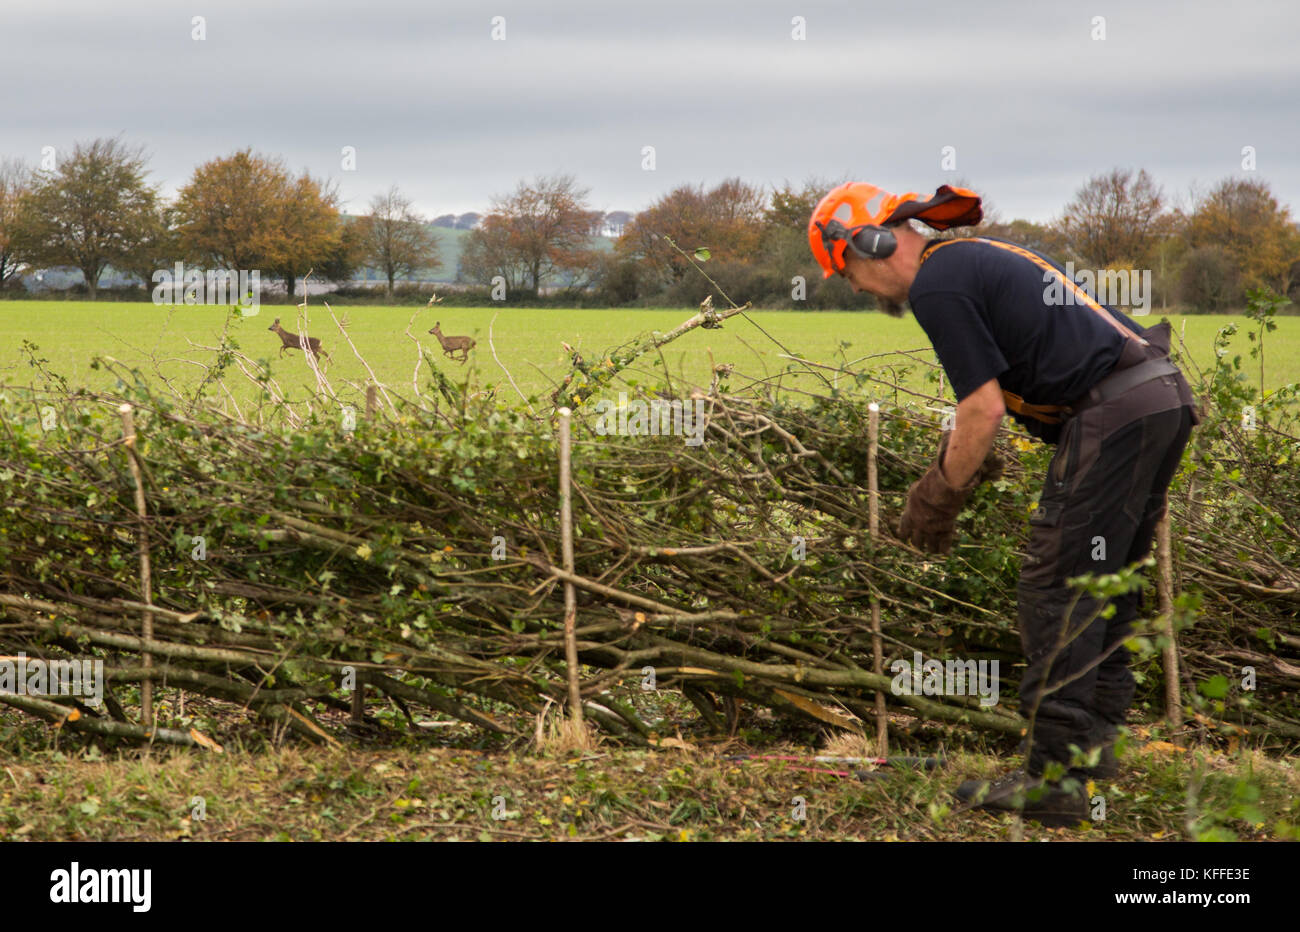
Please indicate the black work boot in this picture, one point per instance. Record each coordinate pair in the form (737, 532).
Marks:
(1054, 806)
(1107, 767)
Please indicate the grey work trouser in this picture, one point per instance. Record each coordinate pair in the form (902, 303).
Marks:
(1103, 496)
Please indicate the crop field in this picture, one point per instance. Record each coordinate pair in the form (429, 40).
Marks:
(166, 342)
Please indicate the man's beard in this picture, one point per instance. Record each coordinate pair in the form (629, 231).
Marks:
(892, 308)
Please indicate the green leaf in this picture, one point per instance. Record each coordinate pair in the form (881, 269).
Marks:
(702, 254)
(1216, 687)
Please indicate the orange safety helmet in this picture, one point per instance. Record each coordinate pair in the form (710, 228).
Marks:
(857, 215)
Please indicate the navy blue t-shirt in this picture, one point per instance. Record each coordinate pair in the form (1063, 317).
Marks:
(987, 312)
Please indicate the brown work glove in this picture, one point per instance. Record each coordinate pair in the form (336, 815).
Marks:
(932, 509)
(990, 470)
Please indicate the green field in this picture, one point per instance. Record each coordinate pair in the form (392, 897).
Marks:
(528, 342)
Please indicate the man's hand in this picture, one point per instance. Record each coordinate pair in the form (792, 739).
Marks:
(931, 512)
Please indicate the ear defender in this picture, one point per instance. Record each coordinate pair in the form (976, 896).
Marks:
(867, 241)
(873, 242)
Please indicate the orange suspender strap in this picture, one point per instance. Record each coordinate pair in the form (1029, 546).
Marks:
(1013, 401)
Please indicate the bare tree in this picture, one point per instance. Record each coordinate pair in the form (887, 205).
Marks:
(543, 228)
(395, 239)
(1114, 218)
(488, 253)
(15, 184)
(728, 219)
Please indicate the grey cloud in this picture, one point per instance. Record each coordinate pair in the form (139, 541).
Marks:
(1031, 103)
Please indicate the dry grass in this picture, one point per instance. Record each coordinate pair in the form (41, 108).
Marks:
(555, 733)
(850, 744)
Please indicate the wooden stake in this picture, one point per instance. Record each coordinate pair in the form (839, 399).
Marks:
(359, 693)
(146, 575)
(359, 700)
(566, 546)
(1165, 564)
(877, 648)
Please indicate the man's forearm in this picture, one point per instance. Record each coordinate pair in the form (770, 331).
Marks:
(971, 439)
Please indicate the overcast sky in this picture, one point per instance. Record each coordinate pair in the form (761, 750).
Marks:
(1031, 103)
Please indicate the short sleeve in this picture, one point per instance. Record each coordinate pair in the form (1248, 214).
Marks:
(961, 337)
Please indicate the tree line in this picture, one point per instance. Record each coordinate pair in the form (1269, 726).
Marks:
(246, 211)
(1204, 255)
(544, 240)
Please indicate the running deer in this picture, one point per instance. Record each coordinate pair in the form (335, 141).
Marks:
(293, 341)
(452, 345)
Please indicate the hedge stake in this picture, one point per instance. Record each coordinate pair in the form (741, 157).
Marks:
(566, 545)
(877, 651)
(146, 580)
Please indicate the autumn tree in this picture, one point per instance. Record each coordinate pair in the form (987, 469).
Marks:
(156, 248)
(341, 263)
(1244, 219)
(488, 253)
(790, 208)
(227, 214)
(395, 239)
(727, 219)
(247, 212)
(1210, 279)
(93, 211)
(15, 183)
(311, 229)
(1115, 218)
(540, 232)
(785, 230)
